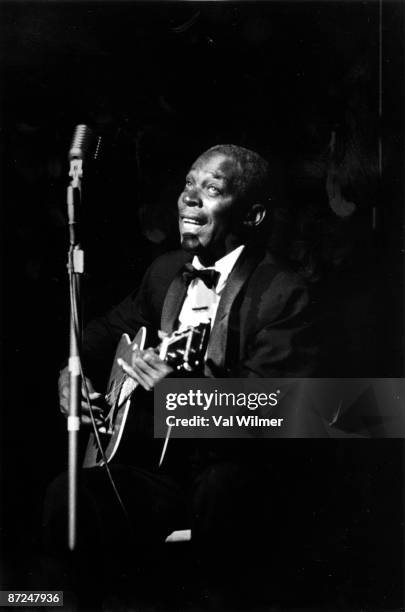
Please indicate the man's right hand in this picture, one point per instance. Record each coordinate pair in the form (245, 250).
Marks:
(97, 399)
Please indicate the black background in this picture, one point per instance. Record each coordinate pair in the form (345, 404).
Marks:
(162, 82)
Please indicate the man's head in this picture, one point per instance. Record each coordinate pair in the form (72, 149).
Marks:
(223, 202)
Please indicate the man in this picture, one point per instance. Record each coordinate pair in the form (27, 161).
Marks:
(222, 209)
(259, 315)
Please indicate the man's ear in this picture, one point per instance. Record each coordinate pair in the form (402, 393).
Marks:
(254, 215)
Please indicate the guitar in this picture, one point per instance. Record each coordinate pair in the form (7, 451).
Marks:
(183, 350)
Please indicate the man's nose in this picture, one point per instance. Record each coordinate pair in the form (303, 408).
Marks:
(192, 198)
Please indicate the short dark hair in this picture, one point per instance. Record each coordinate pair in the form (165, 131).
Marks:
(253, 185)
(253, 181)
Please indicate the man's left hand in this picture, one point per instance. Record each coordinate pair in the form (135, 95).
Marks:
(146, 368)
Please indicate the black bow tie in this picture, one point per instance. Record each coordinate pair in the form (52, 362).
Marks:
(209, 277)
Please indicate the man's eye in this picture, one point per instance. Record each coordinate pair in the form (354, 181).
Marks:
(213, 190)
(188, 183)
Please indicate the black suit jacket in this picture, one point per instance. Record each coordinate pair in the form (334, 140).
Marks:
(262, 329)
(262, 326)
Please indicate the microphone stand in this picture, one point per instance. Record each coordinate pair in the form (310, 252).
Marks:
(75, 270)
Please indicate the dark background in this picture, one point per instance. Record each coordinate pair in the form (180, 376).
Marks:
(302, 83)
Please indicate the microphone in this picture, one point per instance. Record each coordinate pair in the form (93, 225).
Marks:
(82, 142)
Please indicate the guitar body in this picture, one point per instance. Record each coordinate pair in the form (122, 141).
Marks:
(183, 350)
(119, 390)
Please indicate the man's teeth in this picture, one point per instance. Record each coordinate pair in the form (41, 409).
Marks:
(192, 221)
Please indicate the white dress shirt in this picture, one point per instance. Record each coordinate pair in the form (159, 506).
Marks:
(201, 303)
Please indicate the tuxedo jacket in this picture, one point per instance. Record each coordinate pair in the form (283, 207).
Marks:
(262, 327)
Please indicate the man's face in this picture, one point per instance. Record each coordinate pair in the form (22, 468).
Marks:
(207, 207)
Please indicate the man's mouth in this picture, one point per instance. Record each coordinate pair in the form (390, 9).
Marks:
(192, 221)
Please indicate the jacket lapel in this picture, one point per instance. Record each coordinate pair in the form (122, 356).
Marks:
(216, 352)
(173, 302)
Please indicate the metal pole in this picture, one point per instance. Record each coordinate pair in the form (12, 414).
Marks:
(75, 270)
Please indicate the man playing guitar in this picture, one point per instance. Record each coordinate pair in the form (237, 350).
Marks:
(258, 312)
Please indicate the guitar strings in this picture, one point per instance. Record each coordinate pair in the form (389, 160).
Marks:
(117, 384)
(115, 388)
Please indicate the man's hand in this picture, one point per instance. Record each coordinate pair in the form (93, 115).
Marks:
(146, 368)
(94, 396)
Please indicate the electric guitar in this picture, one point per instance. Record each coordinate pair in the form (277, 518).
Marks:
(183, 350)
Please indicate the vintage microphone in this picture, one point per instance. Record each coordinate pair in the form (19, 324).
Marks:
(79, 152)
(82, 146)
(81, 142)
